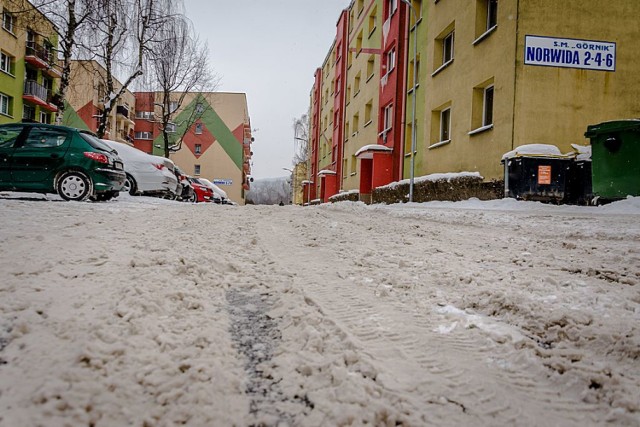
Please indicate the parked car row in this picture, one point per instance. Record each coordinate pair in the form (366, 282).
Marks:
(77, 166)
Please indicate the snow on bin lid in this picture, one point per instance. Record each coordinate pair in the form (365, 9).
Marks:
(583, 152)
(534, 150)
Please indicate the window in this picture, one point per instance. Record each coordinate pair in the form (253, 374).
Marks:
(417, 7)
(487, 113)
(390, 60)
(443, 49)
(447, 48)
(373, 18)
(5, 104)
(359, 43)
(198, 149)
(354, 164)
(9, 134)
(486, 18)
(387, 118)
(46, 138)
(445, 124)
(196, 169)
(198, 129)
(8, 21)
(356, 123)
(6, 63)
(360, 6)
(414, 67)
(199, 108)
(492, 14)
(371, 63)
(148, 115)
(143, 135)
(367, 112)
(356, 85)
(173, 106)
(45, 117)
(482, 107)
(391, 7)
(28, 113)
(170, 127)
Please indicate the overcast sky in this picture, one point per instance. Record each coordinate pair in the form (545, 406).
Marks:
(268, 49)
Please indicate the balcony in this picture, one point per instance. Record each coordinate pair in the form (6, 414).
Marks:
(41, 57)
(37, 94)
(122, 115)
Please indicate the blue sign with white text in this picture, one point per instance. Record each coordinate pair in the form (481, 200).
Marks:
(570, 53)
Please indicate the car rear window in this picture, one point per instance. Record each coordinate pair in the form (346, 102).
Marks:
(96, 143)
(8, 135)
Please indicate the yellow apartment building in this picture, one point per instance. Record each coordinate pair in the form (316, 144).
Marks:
(363, 85)
(507, 73)
(216, 146)
(85, 99)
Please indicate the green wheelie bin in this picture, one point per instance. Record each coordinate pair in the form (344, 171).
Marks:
(615, 155)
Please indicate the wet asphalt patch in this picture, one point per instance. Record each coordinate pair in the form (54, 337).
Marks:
(256, 336)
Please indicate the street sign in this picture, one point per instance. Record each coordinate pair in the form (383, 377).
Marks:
(570, 53)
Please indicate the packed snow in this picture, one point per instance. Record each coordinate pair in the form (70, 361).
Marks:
(149, 312)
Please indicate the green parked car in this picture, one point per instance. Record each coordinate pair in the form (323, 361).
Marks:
(72, 163)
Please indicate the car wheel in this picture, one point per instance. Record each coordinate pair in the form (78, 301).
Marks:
(74, 186)
(130, 185)
(193, 198)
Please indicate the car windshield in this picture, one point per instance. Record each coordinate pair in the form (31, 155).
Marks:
(96, 143)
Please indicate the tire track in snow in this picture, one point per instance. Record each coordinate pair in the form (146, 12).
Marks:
(481, 390)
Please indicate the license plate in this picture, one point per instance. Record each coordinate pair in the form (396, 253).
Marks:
(118, 165)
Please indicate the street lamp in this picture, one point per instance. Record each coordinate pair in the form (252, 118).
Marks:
(306, 141)
(413, 98)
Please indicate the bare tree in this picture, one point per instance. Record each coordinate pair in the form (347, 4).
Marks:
(121, 38)
(69, 17)
(301, 139)
(178, 66)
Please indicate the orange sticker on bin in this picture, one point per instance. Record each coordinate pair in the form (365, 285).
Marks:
(544, 175)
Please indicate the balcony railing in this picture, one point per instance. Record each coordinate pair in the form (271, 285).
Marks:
(32, 88)
(43, 53)
(121, 109)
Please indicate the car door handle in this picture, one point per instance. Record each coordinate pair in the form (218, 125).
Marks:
(55, 156)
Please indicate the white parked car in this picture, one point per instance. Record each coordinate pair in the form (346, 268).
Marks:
(219, 195)
(146, 174)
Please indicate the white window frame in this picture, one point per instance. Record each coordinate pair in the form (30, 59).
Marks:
(487, 90)
(196, 170)
(143, 135)
(197, 149)
(490, 10)
(445, 113)
(387, 118)
(5, 63)
(391, 60)
(147, 115)
(44, 117)
(447, 53)
(8, 21)
(393, 6)
(170, 128)
(198, 129)
(5, 102)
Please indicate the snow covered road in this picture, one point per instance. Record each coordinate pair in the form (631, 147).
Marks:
(145, 312)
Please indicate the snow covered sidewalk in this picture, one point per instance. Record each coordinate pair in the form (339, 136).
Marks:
(154, 313)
